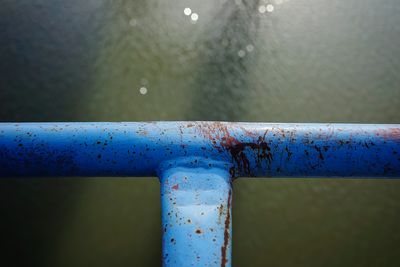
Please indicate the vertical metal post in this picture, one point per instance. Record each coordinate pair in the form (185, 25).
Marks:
(196, 216)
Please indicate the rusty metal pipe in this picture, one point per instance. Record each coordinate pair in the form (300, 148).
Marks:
(247, 149)
(196, 162)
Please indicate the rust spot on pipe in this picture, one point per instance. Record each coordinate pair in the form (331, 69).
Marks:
(224, 260)
(175, 187)
(391, 134)
(143, 132)
(220, 213)
(218, 133)
(320, 155)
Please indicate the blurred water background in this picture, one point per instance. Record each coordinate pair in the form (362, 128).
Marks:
(242, 60)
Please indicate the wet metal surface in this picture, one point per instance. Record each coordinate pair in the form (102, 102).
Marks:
(247, 149)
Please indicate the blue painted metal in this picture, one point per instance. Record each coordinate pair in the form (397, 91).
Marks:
(196, 162)
(248, 149)
(196, 214)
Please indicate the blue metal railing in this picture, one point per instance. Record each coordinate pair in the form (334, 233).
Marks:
(196, 163)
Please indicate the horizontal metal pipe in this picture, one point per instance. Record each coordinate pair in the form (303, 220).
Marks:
(245, 149)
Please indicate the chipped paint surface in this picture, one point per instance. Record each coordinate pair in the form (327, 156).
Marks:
(249, 149)
(196, 215)
(227, 232)
(196, 162)
(317, 150)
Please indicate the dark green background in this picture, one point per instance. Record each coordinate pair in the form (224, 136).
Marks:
(313, 61)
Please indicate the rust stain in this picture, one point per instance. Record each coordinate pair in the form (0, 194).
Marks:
(391, 134)
(289, 154)
(320, 155)
(142, 132)
(247, 132)
(220, 212)
(224, 260)
(175, 187)
(218, 133)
